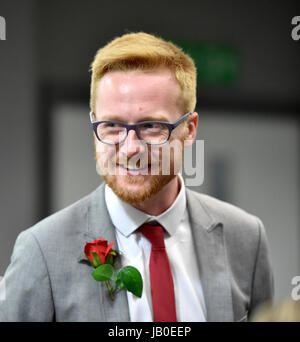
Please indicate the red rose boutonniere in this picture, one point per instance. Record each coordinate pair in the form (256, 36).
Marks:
(103, 258)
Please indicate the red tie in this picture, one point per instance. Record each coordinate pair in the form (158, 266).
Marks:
(162, 288)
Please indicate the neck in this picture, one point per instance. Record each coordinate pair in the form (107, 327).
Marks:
(163, 200)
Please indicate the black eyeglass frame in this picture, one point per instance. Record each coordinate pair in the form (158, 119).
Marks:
(171, 127)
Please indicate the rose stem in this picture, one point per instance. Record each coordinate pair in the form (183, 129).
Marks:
(110, 289)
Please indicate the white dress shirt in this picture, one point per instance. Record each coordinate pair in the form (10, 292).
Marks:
(135, 250)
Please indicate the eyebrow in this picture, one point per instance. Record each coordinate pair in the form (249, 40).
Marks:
(146, 118)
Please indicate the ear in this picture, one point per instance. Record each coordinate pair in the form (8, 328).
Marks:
(191, 129)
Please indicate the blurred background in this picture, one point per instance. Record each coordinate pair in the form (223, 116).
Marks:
(248, 101)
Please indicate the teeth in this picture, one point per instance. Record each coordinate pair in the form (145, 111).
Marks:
(134, 168)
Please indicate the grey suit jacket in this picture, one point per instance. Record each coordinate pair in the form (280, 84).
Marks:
(48, 279)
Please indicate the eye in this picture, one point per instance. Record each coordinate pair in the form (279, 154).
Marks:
(112, 125)
(151, 126)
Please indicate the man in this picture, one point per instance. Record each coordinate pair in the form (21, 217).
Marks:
(211, 262)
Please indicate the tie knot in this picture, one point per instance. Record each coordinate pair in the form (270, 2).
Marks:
(154, 233)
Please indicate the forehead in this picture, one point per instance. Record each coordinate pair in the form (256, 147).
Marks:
(137, 89)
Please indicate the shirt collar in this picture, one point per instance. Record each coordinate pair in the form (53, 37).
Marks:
(127, 219)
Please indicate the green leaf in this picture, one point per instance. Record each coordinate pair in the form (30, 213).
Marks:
(119, 282)
(130, 278)
(96, 261)
(103, 272)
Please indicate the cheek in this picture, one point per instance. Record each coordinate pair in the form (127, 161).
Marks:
(171, 157)
(154, 154)
(180, 133)
(172, 150)
(104, 152)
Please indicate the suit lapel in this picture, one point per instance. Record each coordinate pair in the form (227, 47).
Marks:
(210, 248)
(211, 254)
(99, 225)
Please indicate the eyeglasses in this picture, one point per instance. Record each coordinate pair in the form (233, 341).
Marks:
(151, 132)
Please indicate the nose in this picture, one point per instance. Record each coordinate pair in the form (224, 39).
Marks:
(132, 144)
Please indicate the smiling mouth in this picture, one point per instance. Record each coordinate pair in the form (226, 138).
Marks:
(135, 168)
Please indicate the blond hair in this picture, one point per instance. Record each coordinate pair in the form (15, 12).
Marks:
(145, 52)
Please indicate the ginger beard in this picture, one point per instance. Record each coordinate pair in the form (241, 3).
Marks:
(133, 189)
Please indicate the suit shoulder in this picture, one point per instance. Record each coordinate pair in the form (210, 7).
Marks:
(234, 218)
(65, 222)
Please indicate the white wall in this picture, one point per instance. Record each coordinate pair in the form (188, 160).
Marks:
(73, 168)
(261, 158)
(18, 131)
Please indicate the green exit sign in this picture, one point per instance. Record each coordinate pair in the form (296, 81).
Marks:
(218, 64)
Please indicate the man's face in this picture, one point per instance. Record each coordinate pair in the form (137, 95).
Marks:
(132, 97)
